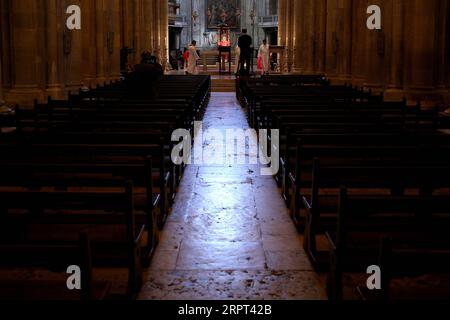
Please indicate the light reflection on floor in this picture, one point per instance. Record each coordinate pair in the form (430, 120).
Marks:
(229, 236)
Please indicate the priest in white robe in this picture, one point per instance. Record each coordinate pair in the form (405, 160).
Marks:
(193, 58)
(264, 54)
(237, 59)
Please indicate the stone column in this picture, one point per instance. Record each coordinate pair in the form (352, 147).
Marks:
(281, 22)
(100, 40)
(27, 65)
(148, 16)
(377, 57)
(344, 66)
(54, 48)
(320, 14)
(308, 36)
(420, 49)
(163, 34)
(89, 68)
(332, 39)
(126, 7)
(447, 52)
(296, 34)
(138, 24)
(114, 31)
(2, 15)
(359, 49)
(282, 31)
(4, 49)
(442, 47)
(394, 90)
(2, 101)
(290, 35)
(73, 58)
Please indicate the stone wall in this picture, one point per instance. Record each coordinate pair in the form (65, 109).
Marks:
(40, 57)
(198, 31)
(409, 57)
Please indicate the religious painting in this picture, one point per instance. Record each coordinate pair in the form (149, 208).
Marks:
(223, 12)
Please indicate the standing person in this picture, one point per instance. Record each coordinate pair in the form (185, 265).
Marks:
(144, 80)
(264, 54)
(193, 58)
(237, 59)
(186, 59)
(245, 44)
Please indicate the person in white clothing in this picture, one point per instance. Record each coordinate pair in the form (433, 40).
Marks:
(264, 54)
(238, 58)
(193, 58)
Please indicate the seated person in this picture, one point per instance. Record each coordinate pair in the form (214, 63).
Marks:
(144, 80)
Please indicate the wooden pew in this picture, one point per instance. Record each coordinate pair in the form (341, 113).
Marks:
(378, 180)
(419, 224)
(44, 215)
(146, 164)
(52, 257)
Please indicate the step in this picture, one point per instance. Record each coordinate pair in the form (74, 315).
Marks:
(223, 85)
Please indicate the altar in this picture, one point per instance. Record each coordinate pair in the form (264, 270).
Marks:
(280, 51)
(224, 48)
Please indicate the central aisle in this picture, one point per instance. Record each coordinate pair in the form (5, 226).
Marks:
(229, 236)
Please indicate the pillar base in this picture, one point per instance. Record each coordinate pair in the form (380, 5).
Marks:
(55, 91)
(339, 80)
(394, 94)
(429, 97)
(25, 96)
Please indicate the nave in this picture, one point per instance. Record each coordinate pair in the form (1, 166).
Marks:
(229, 235)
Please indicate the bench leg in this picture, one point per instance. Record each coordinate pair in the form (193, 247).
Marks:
(285, 185)
(334, 280)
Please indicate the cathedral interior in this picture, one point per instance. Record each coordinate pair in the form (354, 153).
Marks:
(117, 164)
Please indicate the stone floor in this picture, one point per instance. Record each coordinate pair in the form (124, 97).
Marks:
(229, 235)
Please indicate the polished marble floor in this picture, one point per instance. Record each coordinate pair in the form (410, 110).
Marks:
(229, 235)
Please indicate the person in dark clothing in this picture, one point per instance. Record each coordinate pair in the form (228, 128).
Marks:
(124, 53)
(144, 81)
(245, 43)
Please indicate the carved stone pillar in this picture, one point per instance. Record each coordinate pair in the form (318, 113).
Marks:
(100, 40)
(443, 43)
(359, 48)
(447, 52)
(27, 40)
(332, 39)
(73, 55)
(2, 101)
(320, 15)
(2, 15)
(147, 25)
(113, 42)
(344, 29)
(282, 33)
(163, 34)
(89, 35)
(282, 22)
(395, 45)
(296, 36)
(420, 49)
(377, 57)
(138, 24)
(5, 65)
(308, 36)
(290, 13)
(54, 48)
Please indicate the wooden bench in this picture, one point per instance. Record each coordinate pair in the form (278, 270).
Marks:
(45, 215)
(416, 225)
(378, 180)
(52, 257)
